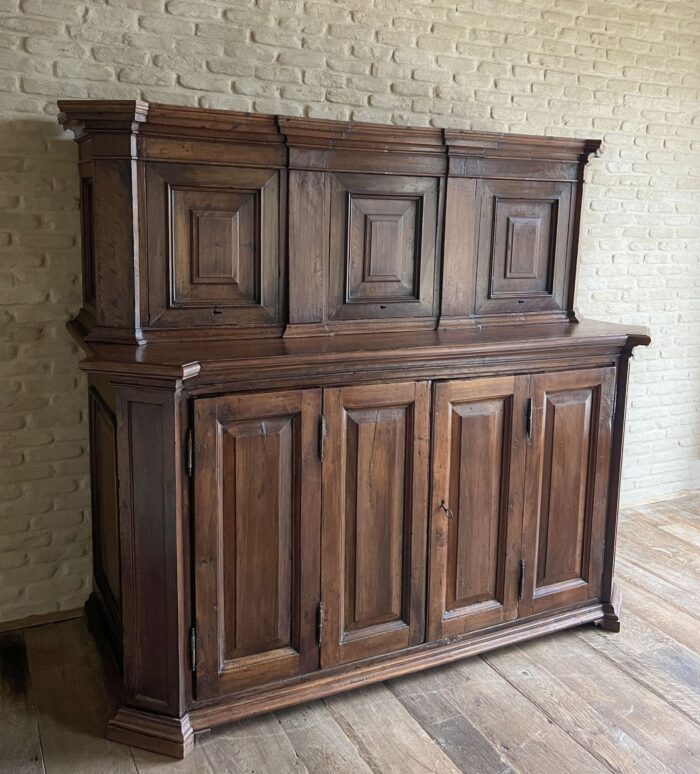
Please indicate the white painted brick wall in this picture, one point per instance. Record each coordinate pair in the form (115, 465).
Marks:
(626, 71)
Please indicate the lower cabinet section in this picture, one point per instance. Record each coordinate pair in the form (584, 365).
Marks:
(521, 469)
(326, 526)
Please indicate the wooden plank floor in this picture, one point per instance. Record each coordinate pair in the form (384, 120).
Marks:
(579, 701)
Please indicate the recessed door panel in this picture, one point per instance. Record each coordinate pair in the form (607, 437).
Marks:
(524, 246)
(256, 538)
(383, 237)
(213, 245)
(374, 509)
(478, 465)
(568, 472)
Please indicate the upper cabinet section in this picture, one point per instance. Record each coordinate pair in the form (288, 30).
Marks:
(219, 224)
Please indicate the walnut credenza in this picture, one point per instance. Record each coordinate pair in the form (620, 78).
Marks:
(344, 422)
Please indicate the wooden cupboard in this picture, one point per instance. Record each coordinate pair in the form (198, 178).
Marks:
(345, 422)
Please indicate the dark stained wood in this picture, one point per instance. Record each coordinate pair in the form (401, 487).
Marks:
(203, 209)
(477, 501)
(383, 237)
(522, 262)
(374, 519)
(152, 537)
(459, 252)
(567, 480)
(256, 538)
(328, 682)
(105, 514)
(213, 249)
(308, 248)
(279, 535)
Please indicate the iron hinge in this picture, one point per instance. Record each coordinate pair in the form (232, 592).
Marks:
(189, 452)
(528, 419)
(321, 436)
(319, 623)
(193, 649)
(521, 579)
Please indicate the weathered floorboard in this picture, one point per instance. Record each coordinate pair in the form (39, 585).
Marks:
(665, 733)
(72, 702)
(525, 738)
(581, 700)
(565, 707)
(20, 747)
(319, 741)
(386, 736)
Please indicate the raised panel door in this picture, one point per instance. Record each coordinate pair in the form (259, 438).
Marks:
(383, 240)
(256, 538)
(524, 245)
(568, 471)
(213, 245)
(375, 473)
(476, 510)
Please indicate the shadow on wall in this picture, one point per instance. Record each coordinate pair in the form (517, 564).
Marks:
(44, 490)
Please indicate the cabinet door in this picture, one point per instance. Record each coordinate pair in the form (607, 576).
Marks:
(568, 470)
(478, 468)
(213, 245)
(256, 538)
(525, 244)
(375, 481)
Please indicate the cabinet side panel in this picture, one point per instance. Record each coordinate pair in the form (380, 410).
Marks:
(116, 247)
(151, 546)
(105, 515)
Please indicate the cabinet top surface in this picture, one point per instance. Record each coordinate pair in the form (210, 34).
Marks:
(187, 359)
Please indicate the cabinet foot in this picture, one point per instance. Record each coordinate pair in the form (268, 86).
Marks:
(610, 621)
(157, 733)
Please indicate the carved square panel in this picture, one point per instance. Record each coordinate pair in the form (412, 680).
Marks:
(524, 246)
(215, 252)
(522, 259)
(382, 248)
(383, 242)
(213, 244)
